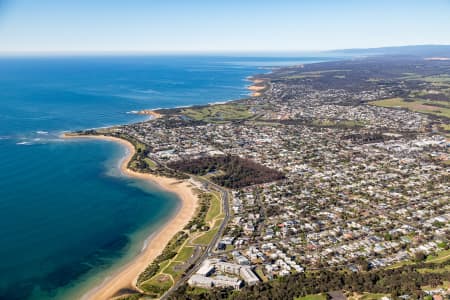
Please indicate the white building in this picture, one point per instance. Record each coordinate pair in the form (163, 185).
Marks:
(225, 281)
(206, 269)
(200, 281)
(228, 267)
(249, 277)
(218, 281)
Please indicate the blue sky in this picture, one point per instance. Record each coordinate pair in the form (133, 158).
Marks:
(213, 25)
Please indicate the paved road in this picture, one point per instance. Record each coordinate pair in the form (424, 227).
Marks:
(210, 248)
(212, 245)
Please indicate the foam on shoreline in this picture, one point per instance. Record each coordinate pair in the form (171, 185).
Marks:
(126, 276)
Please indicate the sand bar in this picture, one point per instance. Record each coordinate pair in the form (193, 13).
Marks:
(126, 276)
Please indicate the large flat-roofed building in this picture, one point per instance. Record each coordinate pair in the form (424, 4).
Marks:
(200, 281)
(206, 269)
(244, 271)
(228, 267)
(218, 281)
(249, 276)
(202, 277)
(225, 281)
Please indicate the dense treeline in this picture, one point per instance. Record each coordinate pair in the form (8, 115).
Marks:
(406, 280)
(236, 172)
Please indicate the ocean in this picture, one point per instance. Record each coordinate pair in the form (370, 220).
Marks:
(68, 218)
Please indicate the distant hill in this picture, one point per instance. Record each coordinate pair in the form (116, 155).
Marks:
(418, 50)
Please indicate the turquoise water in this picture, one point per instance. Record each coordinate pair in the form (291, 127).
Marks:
(67, 216)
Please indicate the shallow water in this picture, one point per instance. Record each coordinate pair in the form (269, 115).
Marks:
(67, 216)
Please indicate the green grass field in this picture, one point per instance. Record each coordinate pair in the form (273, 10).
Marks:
(151, 164)
(171, 270)
(442, 256)
(207, 237)
(218, 113)
(157, 285)
(164, 264)
(418, 105)
(214, 208)
(317, 74)
(302, 76)
(438, 80)
(401, 264)
(184, 254)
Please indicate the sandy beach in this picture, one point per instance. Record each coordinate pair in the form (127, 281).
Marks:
(256, 87)
(127, 275)
(150, 113)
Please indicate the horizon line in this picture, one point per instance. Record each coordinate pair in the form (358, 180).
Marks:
(197, 52)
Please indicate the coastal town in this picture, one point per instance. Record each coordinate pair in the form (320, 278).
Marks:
(225, 150)
(331, 166)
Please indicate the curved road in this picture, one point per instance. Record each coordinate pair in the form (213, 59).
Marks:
(210, 248)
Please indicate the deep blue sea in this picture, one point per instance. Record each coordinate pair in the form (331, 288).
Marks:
(68, 218)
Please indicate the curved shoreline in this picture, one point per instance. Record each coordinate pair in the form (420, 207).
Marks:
(127, 275)
(256, 88)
